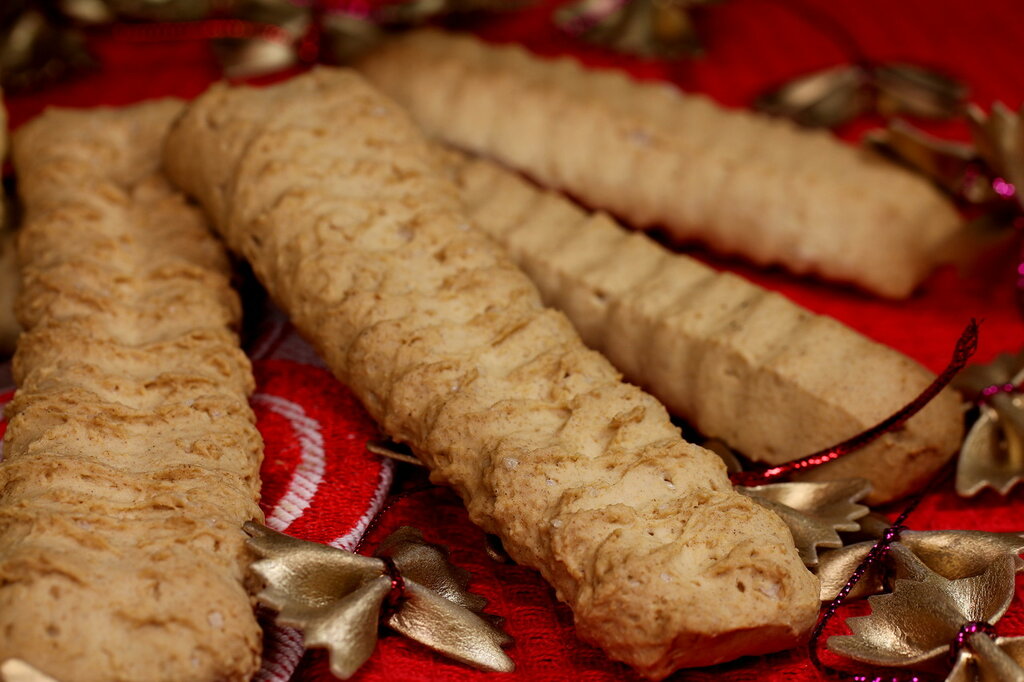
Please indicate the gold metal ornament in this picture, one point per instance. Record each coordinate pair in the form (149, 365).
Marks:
(951, 554)
(992, 455)
(392, 450)
(917, 91)
(839, 94)
(918, 624)
(988, 173)
(662, 29)
(814, 512)
(999, 138)
(339, 599)
(38, 46)
(296, 32)
(274, 49)
(1001, 660)
(824, 99)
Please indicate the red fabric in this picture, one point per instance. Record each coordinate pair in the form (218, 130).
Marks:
(751, 45)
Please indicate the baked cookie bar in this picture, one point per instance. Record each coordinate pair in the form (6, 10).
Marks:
(740, 182)
(740, 363)
(131, 459)
(340, 205)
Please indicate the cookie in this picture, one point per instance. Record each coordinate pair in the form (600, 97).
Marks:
(131, 459)
(336, 199)
(740, 363)
(742, 183)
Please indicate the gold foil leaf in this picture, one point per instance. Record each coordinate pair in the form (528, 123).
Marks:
(338, 598)
(952, 554)
(392, 450)
(1001, 659)
(283, 23)
(465, 636)
(428, 565)
(919, 619)
(915, 90)
(644, 28)
(999, 137)
(822, 99)
(37, 49)
(951, 165)
(992, 455)
(814, 512)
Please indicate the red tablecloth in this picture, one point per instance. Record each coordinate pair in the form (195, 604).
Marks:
(751, 45)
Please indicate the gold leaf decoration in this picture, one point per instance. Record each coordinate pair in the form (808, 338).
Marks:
(661, 29)
(951, 554)
(988, 173)
(814, 512)
(839, 94)
(296, 33)
(1002, 660)
(992, 455)
(999, 137)
(338, 598)
(392, 450)
(918, 623)
(274, 49)
(917, 91)
(38, 45)
(825, 99)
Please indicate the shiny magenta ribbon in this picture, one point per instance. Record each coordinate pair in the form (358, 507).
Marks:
(966, 345)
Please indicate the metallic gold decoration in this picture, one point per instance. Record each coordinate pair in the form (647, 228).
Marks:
(15, 670)
(837, 95)
(814, 512)
(662, 29)
(952, 554)
(918, 624)
(999, 138)
(496, 550)
(338, 599)
(295, 32)
(392, 450)
(916, 91)
(992, 454)
(269, 50)
(38, 45)
(825, 99)
(986, 173)
(992, 665)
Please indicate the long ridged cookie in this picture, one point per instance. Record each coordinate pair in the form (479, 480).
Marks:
(740, 363)
(338, 202)
(742, 183)
(131, 460)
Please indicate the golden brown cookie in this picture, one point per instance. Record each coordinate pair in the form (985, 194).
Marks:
(339, 204)
(740, 182)
(131, 459)
(740, 363)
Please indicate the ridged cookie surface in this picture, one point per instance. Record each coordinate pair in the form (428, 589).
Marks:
(740, 363)
(131, 459)
(339, 203)
(743, 183)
